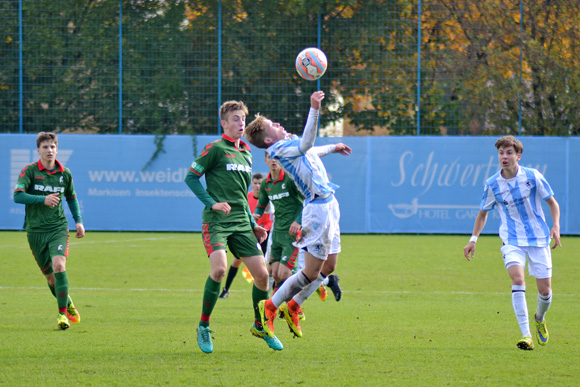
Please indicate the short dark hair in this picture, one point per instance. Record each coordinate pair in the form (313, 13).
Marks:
(257, 176)
(46, 136)
(508, 141)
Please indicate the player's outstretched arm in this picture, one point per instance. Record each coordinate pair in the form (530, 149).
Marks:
(469, 249)
(342, 149)
(311, 128)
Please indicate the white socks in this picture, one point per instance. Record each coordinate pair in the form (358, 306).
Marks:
(308, 290)
(521, 308)
(543, 305)
(289, 288)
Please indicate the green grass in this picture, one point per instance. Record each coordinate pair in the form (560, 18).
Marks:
(414, 313)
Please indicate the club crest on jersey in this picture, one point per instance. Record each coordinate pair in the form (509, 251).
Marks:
(61, 180)
(238, 167)
(283, 185)
(48, 188)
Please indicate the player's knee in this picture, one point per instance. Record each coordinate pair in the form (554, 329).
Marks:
(218, 273)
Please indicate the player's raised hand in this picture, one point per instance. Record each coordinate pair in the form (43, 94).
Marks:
(52, 200)
(342, 149)
(316, 99)
(469, 250)
(223, 207)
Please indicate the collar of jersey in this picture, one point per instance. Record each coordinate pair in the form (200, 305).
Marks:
(280, 176)
(243, 145)
(58, 164)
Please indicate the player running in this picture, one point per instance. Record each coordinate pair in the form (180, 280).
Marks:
(518, 191)
(41, 187)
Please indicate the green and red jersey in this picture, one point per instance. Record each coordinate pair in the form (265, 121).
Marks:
(36, 180)
(287, 200)
(228, 174)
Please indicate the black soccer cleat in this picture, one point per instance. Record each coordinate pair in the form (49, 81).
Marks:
(225, 293)
(335, 286)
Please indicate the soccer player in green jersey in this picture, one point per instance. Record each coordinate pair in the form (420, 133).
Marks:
(41, 187)
(226, 219)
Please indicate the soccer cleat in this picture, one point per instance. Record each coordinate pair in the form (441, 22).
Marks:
(267, 318)
(335, 287)
(62, 321)
(72, 313)
(526, 343)
(542, 332)
(272, 342)
(204, 339)
(225, 293)
(321, 293)
(292, 320)
(280, 314)
(301, 315)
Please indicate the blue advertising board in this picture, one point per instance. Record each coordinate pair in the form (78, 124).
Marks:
(388, 184)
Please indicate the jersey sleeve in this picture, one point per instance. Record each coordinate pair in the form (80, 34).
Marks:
(69, 191)
(24, 179)
(205, 161)
(544, 189)
(488, 199)
(289, 149)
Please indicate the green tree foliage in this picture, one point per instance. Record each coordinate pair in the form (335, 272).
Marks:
(181, 59)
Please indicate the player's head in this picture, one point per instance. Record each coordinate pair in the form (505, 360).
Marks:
(262, 132)
(509, 152)
(272, 163)
(510, 141)
(256, 182)
(46, 136)
(47, 147)
(233, 118)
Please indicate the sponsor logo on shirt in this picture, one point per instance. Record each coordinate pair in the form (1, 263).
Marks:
(196, 167)
(48, 188)
(238, 167)
(279, 196)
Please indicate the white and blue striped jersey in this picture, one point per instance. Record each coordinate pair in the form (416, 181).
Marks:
(306, 169)
(519, 202)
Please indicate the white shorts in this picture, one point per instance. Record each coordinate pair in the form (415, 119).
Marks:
(320, 229)
(540, 259)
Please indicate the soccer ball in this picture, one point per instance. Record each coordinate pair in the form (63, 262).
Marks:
(311, 63)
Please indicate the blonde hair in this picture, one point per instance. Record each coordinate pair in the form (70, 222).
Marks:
(255, 132)
(508, 141)
(230, 107)
(46, 136)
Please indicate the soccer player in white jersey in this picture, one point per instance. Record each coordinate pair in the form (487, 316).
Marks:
(518, 191)
(320, 238)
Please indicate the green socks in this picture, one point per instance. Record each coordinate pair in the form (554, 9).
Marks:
(257, 296)
(210, 297)
(61, 289)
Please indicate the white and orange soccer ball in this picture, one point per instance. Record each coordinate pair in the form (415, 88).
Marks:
(311, 63)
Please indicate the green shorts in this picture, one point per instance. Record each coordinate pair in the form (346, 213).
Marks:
(282, 249)
(47, 245)
(239, 238)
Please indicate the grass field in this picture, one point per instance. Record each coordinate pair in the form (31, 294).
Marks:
(414, 313)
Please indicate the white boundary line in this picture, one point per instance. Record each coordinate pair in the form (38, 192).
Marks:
(348, 291)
